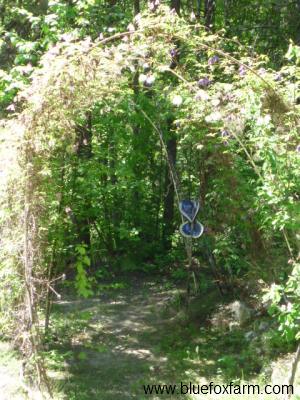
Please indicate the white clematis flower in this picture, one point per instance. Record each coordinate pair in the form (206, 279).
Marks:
(177, 100)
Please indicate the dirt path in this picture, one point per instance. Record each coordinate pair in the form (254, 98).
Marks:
(10, 384)
(121, 348)
(113, 345)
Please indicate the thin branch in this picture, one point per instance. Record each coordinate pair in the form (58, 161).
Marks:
(171, 167)
(240, 63)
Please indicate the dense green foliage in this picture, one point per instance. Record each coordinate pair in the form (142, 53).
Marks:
(91, 104)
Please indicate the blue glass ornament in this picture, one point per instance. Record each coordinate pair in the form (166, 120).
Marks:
(191, 229)
(189, 209)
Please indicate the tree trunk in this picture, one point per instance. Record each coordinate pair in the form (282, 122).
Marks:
(198, 13)
(136, 7)
(209, 10)
(293, 370)
(43, 6)
(171, 145)
(84, 152)
(168, 215)
(136, 129)
(175, 4)
(298, 27)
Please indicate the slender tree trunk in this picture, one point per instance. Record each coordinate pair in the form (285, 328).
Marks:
(43, 6)
(115, 210)
(136, 132)
(298, 27)
(175, 4)
(136, 7)
(108, 236)
(226, 14)
(171, 145)
(198, 13)
(84, 152)
(159, 195)
(168, 215)
(209, 10)
(294, 369)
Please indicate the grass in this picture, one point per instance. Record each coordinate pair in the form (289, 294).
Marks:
(109, 346)
(10, 384)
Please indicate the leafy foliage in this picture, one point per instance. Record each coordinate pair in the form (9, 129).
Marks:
(82, 283)
(91, 119)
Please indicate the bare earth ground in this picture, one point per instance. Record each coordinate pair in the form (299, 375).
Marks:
(109, 346)
(10, 385)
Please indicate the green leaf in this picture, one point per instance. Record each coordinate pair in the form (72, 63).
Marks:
(82, 356)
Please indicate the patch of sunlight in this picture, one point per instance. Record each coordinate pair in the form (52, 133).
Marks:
(96, 325)
(139, 353)
(10, 382)
(135, 326)
(201, 362)
(11, 385)
(117, 303)
(58, 374)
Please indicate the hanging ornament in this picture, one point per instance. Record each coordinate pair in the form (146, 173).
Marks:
(192, 228)
(189, 209)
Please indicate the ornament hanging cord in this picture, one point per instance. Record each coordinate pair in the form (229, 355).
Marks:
(187, 241)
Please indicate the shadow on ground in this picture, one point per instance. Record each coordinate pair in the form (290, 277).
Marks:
(110, 346)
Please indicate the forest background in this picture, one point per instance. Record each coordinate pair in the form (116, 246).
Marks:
(112, 112)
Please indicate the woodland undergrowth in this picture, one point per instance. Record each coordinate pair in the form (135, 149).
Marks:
(71, 144)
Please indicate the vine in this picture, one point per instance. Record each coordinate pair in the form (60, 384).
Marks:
(216, 108)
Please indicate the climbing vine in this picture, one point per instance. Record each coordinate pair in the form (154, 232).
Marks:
(87, 161)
